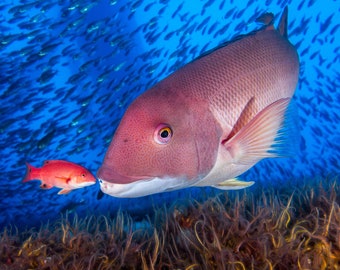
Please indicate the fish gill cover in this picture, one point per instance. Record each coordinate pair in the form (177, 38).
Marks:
(69, 70)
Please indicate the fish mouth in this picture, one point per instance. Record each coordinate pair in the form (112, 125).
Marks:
(121, 186)
(86, 184)
(82, 184)
(142, 188)
(108, 174)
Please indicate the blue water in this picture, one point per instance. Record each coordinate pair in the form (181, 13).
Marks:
(69, 69)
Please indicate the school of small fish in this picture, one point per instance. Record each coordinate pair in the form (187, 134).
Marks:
(69, 70)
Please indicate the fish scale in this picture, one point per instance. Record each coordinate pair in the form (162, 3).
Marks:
(233, 80)
(222, 114)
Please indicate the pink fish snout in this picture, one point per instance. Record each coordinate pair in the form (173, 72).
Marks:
(109, 174)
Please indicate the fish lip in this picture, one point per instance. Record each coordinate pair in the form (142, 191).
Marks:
(108, 174)
(118, 190)
(84, 184)
(142, 187)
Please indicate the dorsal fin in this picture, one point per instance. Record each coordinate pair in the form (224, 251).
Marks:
(282, 28)
(267, 19)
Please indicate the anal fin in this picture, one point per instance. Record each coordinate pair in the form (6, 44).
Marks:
(64, 191)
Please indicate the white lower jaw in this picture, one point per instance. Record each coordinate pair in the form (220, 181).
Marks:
(81, 185)
(142, 187)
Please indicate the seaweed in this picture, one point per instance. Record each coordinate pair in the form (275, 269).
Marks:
(263, 229)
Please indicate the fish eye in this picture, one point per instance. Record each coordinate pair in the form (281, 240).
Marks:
(163, 134)
(83, 175)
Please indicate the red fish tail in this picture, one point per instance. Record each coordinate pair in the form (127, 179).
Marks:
(31, 173)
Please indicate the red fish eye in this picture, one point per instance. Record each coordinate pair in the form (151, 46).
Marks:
(163, 134)
(83, 175)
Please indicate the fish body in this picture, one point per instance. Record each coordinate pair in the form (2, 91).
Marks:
(60, 173)
(208, 122)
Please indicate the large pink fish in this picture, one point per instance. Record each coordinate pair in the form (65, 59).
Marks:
(208, 122)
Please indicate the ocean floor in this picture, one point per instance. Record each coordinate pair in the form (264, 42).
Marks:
(281, 228)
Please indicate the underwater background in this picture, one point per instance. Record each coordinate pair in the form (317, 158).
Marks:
(69, 70)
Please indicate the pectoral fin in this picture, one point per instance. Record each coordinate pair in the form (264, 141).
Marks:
(64, 178)
(232, 184)
(260, 138)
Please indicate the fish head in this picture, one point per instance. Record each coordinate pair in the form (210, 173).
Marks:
(164, 141)
(81, 178)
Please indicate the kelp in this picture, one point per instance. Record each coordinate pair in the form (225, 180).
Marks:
(266, 229)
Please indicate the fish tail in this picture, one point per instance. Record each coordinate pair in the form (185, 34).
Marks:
(31, 173)
(282, 28)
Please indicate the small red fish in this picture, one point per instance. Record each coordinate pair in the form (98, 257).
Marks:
(60, 173)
